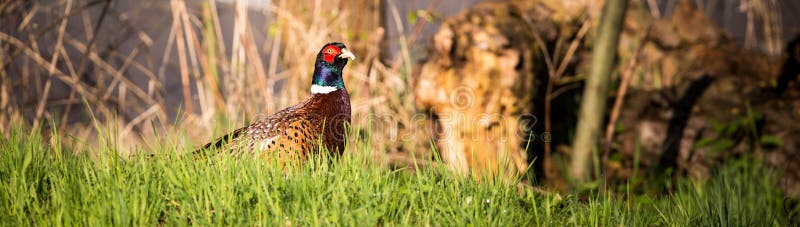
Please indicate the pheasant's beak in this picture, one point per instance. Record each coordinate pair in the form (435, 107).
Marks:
(347, 54)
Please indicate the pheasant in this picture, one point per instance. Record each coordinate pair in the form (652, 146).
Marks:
(299, 129)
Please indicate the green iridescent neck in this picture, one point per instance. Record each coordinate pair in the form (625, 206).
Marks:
(327, 75)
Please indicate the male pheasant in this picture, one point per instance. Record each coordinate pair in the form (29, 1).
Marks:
(299, 129)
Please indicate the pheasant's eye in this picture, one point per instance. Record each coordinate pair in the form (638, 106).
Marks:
(330, 51)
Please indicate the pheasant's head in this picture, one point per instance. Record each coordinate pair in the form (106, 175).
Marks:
(331, 59)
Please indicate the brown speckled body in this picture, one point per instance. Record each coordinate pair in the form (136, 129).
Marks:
(296, 130)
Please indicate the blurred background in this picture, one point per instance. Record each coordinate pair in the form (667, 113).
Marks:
(487, 86)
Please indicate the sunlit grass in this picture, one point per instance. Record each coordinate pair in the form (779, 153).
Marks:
(44, 183)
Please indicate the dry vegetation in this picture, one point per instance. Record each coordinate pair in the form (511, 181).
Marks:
(238, 81)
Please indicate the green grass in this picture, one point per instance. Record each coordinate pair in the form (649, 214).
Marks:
(41, 183)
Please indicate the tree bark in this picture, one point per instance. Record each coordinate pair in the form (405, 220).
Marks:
(593, 102)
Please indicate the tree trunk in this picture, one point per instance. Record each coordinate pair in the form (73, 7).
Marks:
(479, 84)
(593, 102)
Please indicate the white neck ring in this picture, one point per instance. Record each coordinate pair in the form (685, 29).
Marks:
(318, 89)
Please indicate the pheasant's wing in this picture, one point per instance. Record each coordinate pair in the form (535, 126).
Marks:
(291, 134)
(291, 131)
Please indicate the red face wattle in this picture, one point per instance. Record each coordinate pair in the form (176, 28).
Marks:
(330, 52)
